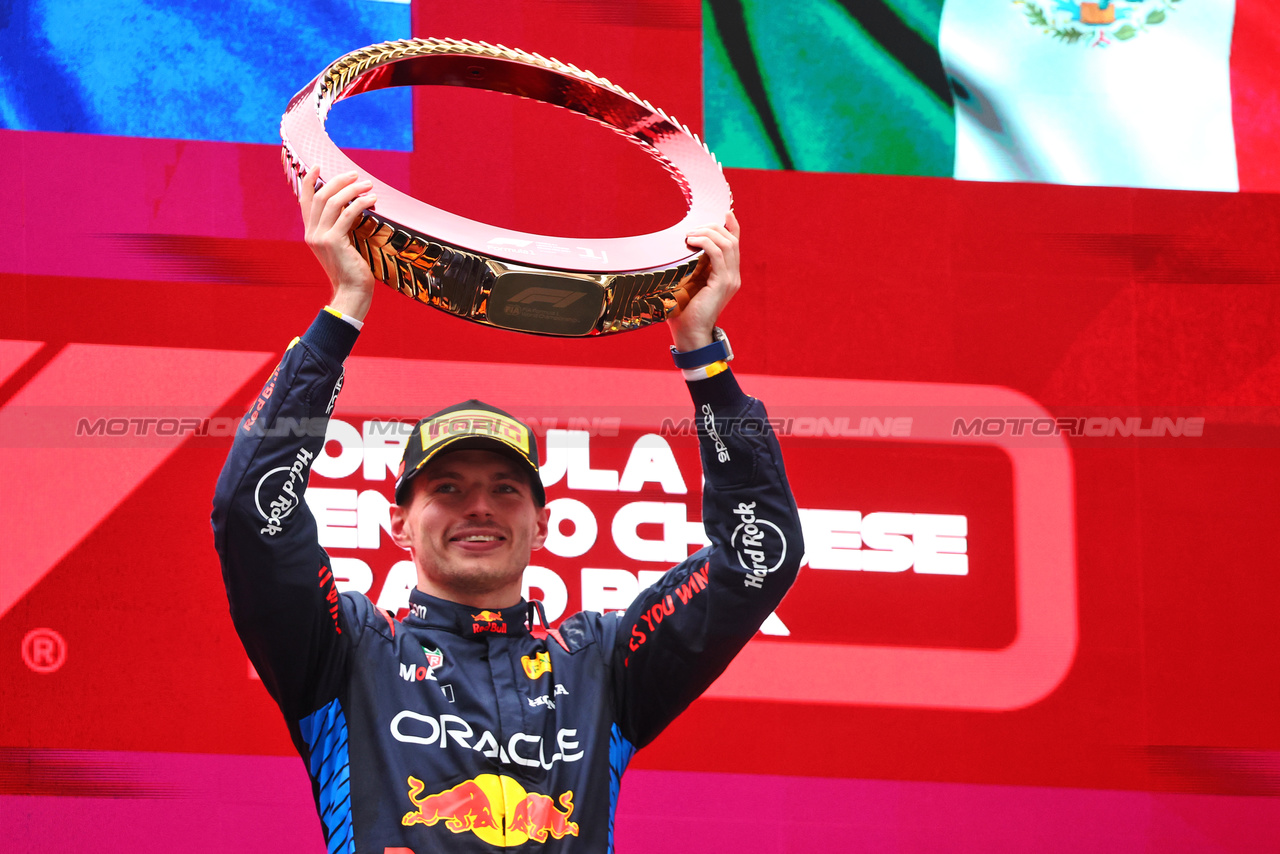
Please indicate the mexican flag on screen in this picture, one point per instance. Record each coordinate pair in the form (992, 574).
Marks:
(1178, 94)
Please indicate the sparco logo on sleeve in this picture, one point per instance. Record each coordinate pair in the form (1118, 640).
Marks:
(291, 480)
(333, 398)
(709, 423)
(760, 545)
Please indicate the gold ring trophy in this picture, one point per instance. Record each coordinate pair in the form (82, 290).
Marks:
(499, 277)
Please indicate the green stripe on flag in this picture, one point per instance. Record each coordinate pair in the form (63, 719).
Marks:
(827, 86)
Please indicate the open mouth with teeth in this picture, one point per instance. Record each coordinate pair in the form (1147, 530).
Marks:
(477, 539)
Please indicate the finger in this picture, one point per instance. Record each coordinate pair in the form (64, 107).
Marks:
(711, 250)
(352, 212)
(338, 202)
(307, 186)
(726, 238)
(731, 223)
(721, 230)
(722, 236)
(334, 185)
(320, 219)
(306, 194)
(345, 192)
(727, 241)
(726, 244)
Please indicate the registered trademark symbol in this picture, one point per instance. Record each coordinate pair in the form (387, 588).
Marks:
(44, 650)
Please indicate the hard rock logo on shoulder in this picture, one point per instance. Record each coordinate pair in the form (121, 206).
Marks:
(1096, 24)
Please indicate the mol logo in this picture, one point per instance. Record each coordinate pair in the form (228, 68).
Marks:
(412, 673)
(555, 297)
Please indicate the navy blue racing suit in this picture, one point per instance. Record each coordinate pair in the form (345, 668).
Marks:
(460, 729)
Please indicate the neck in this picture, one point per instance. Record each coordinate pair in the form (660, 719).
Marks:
(496, 599)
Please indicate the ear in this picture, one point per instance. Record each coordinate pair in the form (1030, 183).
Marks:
(399, 533)
(540, 535)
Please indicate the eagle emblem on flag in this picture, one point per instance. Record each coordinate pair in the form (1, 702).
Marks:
(1099, 23)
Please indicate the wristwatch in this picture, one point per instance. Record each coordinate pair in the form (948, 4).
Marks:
(717, 351)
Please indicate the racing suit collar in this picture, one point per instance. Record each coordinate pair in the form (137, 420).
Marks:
(432, 612)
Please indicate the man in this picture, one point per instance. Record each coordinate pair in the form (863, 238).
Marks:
(469, 725)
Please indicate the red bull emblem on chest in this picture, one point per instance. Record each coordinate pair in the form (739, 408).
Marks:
(495, 808)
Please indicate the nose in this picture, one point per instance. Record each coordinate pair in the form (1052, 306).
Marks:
(479, 503)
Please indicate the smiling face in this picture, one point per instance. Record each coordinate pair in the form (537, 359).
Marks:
(470, 528)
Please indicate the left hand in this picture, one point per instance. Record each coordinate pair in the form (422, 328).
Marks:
(714, 282)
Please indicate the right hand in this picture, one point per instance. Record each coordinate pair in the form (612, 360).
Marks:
(328, 215)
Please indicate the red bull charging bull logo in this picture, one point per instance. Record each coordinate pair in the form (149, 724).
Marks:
(495, 808)
(488, 621)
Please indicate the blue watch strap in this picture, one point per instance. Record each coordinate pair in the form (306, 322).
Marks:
(717, 351)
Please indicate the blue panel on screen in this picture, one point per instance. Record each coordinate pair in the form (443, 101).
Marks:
(191, 69)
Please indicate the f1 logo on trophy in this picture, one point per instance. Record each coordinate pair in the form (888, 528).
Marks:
(495, 276)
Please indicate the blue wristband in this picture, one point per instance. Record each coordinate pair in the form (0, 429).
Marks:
(717, 351)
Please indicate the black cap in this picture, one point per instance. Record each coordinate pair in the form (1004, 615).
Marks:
(470, 424)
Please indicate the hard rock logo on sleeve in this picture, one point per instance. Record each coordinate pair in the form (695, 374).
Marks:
(287, 482)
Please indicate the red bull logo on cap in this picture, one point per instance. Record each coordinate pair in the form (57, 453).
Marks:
(495, 808)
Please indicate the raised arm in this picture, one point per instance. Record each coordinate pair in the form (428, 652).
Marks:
(681, 633)
(282, 596)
